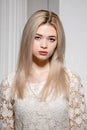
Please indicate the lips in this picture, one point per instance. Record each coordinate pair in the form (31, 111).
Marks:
(43, 52)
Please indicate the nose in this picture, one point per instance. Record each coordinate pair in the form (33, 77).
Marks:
(44, 44)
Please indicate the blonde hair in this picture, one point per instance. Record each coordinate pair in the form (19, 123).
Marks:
(57, 82)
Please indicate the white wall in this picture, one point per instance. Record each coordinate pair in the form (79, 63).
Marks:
(73, 14)
(33, 5)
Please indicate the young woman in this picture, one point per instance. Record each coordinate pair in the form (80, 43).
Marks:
(42, 94)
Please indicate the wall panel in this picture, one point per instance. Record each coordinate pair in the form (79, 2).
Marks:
(13, 15)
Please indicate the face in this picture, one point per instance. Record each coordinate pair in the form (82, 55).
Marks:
(45, 42)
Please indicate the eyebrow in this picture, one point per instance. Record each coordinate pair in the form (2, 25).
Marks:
(49, 36)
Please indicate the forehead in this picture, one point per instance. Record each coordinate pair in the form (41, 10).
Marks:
(46, 29)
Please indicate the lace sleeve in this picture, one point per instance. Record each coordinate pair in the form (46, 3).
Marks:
(77, 105)
(6, 108)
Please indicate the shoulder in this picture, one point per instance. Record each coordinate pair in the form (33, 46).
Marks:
(75, 83)
(73, 76)
(76, 88)
(8, 79)
(6, 86)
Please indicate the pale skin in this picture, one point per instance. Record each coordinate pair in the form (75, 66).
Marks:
(44, 45)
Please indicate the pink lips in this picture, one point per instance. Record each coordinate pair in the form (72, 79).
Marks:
(43, 52)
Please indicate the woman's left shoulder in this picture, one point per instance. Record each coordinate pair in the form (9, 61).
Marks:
(75, 83)
(73, 76)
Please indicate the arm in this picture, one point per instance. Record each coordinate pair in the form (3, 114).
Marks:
(77, 107)
(6, 107)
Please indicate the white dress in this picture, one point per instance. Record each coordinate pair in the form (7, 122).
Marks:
(32, 114)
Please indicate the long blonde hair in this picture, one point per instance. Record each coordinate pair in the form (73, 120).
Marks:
(57, 82)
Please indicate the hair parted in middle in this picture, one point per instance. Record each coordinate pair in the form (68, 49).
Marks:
(57, 81)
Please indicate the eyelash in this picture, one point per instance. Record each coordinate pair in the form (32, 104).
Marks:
(37, 37)
(52, 39)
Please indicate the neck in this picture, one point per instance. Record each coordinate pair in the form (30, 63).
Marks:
(39, 71)
(40, 65)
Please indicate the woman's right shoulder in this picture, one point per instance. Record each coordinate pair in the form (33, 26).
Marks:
(6, 85)
(7, 80)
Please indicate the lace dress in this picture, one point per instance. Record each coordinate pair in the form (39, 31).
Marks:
(32, 114)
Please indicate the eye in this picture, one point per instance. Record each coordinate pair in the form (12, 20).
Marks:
(37, 37)
(52, 39)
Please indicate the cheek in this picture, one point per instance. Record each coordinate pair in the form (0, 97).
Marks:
(53, 47)
(51, 50)
(34, 47)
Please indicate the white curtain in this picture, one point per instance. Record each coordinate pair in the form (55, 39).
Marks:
(13, 15)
